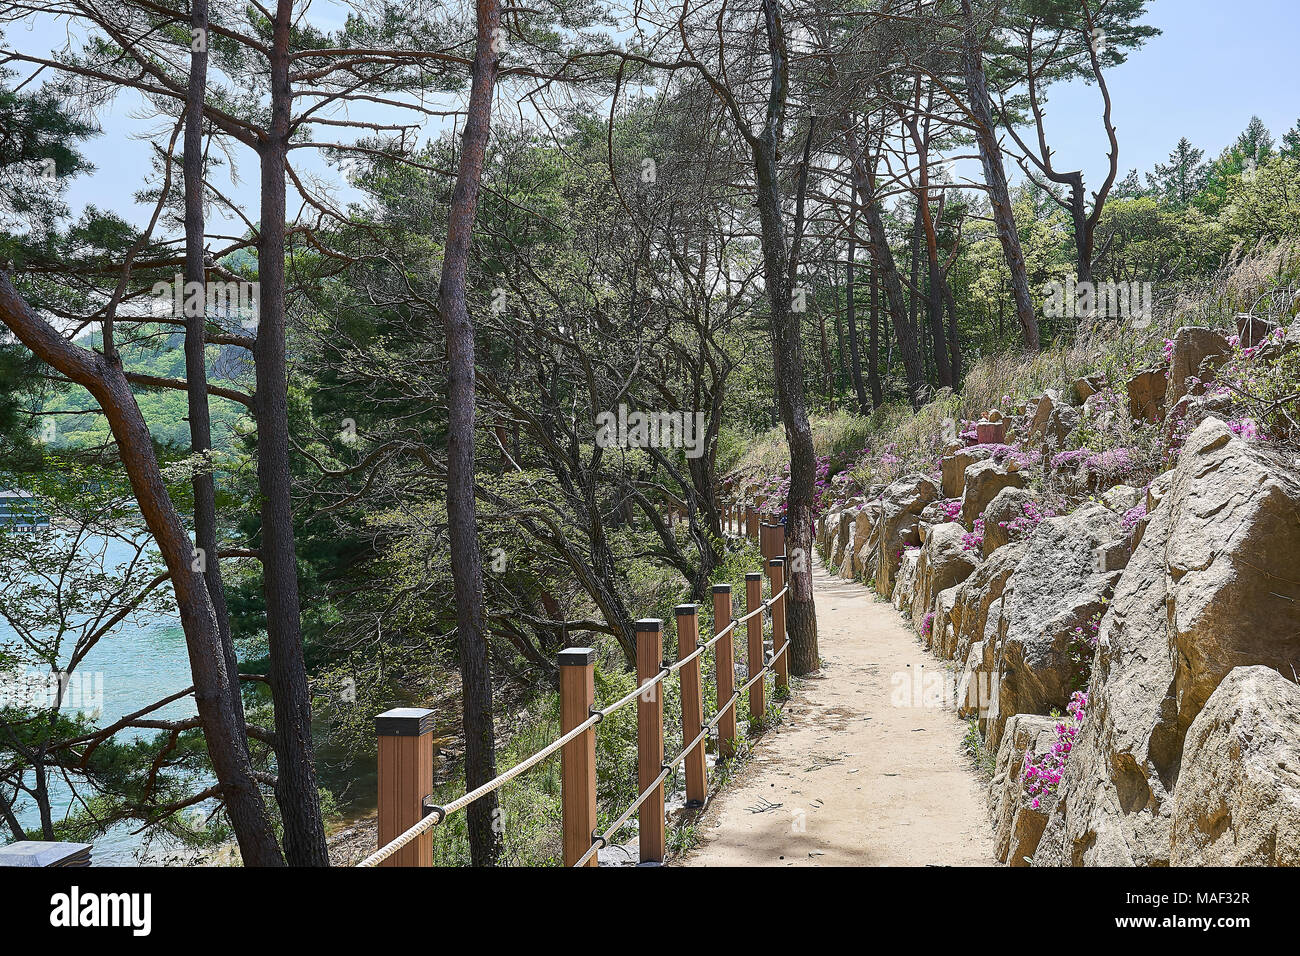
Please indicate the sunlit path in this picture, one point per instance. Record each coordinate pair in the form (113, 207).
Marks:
(848, 778)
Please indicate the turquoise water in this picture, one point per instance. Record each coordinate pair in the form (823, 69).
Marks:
(143, 660)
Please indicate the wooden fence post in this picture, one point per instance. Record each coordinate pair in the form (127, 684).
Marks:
(778, 540)
(782, 667)
(578, 756)
(650, 738)
(724, 660)
(688, 638)
(751, 522)
(405, 779)
(753, 599)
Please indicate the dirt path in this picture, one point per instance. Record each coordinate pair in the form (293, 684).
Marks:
(849, 779)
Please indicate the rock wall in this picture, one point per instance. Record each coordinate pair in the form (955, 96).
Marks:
(1189, 753)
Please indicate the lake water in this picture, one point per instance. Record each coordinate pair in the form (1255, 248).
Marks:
(143, 660)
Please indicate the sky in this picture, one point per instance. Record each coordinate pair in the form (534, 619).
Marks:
(1215, 65)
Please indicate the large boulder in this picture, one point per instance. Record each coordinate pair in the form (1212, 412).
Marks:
(843, 522)
(1042, 414)
(864, 529)
(1146, 395)
(1211, 586)
(1254, 330)
(905, 580)
(943, 563)
(1062, 422)
(1055, 589)
(901, 504)
(953, 468)
(973, 604)
(1233, 562)
(1025, 733)
(984, 480)
(1196, 354)
(845, 566)
(1088, 386)
(1237, 802)
(1006, 507)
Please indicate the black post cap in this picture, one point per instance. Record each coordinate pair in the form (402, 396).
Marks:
(649, 624)
(754, 576)
(404, 722)
(576, 656)
(722, 589)
(685, 610)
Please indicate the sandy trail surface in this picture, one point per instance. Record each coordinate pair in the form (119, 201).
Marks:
(849, 778)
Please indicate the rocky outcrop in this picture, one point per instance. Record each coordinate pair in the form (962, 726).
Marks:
(973, 604)
(1254, 330)
(1016, 825)
(1062, 422)
(1055, 588)
(864, 557)
(943, 563)
(1237, 802)
(1146, 395)
(953, 468)
(1196, 354)
(901, 505)
(1211, 586)
(1006, 507)
(905, 580)
(984, 480)
(1042, 414)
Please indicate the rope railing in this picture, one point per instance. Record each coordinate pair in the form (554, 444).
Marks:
(407, 818)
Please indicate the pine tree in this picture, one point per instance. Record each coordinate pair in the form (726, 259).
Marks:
(1182, 177)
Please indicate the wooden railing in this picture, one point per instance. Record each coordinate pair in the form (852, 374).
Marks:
(407, 815)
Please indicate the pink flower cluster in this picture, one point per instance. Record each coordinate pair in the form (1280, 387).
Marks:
(974, 540)
(1133, 516)
(927, 624)
(1245, 428)
(1026, 523)
(1042, 773)
(1111, 463)
(951, 508)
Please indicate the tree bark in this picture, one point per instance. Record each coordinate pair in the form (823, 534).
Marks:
(196, 365)
(873, 344)
(780, 264)
(883, 257)
(222, 728)
(855, 363)
(295, 791)
(995, 177)
(466, 560)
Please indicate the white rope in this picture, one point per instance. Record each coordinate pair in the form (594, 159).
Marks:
(439, 814)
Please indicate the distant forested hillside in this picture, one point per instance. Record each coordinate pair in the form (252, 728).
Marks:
(160, 352)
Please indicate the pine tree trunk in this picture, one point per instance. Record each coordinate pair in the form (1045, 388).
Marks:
(787, 354)
(883, 257)
(466, 558)
(995, 177)
(873, 346)
(196, 364)
(854, 361)
(296, 792)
